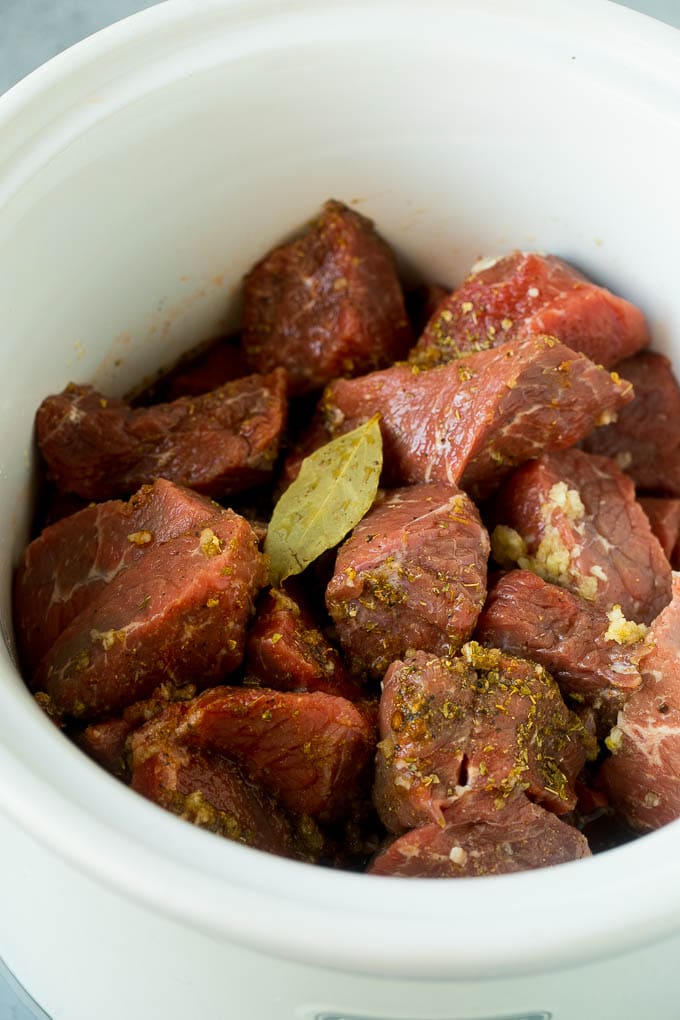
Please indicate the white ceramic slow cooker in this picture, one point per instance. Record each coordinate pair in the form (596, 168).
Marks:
(141, 173)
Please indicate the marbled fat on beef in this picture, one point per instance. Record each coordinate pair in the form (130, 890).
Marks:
(472, 421)
(178, 616)
(63, 570)
(573, 519)
(525, 294)
(287, 651)
(218, 443)
(645, 439)
(312, 751)
(484, 722)
(326, 305)
(411, 576)
(518, 837)
(642, 777)
(593, 657)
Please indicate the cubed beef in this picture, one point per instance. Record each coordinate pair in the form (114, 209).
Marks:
(177, 616)
(72, 561)
(573, 519)
(223, 362)
(312, 751)
(287, 651)
(327, 305)
(411, 576)
(213, 793)
(592, 657)
(482, 722)
(642, 777)
(518, 837)
(222, 442)
(664, 518)
(106, 742)
(525, 294)
(645, 438)
(471, 421)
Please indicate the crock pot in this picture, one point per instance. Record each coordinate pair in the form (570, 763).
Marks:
(141, 174)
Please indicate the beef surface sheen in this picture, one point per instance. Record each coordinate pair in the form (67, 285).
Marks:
(412, 575)
(218, 443)
(470, 422)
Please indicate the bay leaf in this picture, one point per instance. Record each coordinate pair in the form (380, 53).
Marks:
(336, 486)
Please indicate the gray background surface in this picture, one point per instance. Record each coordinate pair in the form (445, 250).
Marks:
(32, 31)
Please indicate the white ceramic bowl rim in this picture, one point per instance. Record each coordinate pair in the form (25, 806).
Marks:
(555, 917)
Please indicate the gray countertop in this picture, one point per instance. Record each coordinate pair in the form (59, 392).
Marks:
(31, 32)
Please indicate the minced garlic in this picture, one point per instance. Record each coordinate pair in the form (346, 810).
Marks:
(507, 545)
(614, 740)
(621, 630)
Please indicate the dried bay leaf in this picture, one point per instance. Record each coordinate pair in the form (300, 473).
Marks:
(336, 486)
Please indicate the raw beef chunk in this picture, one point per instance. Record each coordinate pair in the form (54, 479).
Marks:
(572, 518)
(592, 657)
(287, 651)
(311, 751)
(642, 778)
(412, 575)
(645, 439)
(518, 837)
(664, 518)
(223, 362)
(472, 421)
(326, 305)
(106, 742)
(484, 722)
(525, 295)
(72, 561)
(221, 442)
(214, 794)
(177, 616)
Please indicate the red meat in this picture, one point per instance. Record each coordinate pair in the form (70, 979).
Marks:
(523, 295)
(664, 519)
(223, 362)
(312, 751)
(412, 575)
(577, 644)
(642, 777)
(472, 421)
(178, 616)
(287, 651)
(575, 522)
(62, 571)
(645, 439)
(519, 837)
(218, 443)
(212, 792)
(482, 723)
(326, 305)
(106, 742)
